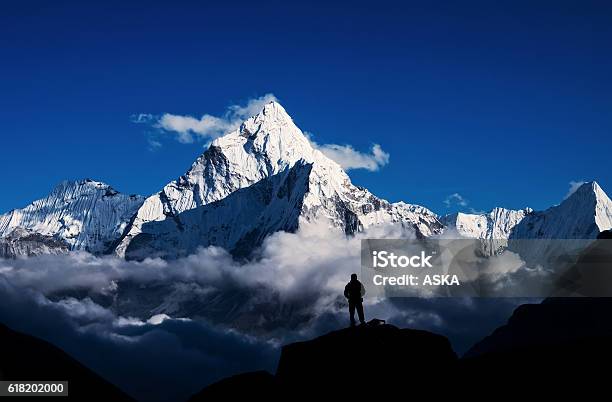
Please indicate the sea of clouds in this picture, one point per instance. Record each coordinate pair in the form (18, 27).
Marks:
(166, 349)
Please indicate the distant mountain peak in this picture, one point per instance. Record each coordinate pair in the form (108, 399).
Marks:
(590, 190)
(85, 214)
(495, 224)
(582, 215)
(82, 187)
(589, 193)
(586, 188)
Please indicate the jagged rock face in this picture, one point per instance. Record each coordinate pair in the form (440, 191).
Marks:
(84, 215)
(23, 242)
(262, 150)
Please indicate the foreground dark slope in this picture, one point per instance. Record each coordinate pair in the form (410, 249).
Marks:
(558, 347)
(343, 361)
(390, 362)
(559, 320)
(26, 358)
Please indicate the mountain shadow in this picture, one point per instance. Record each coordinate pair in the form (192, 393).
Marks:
(26, 358)
(239, 222)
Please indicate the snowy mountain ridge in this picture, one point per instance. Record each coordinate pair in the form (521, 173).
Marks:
(85, 215)
(496, 224)
(583, 215)
(263, 177)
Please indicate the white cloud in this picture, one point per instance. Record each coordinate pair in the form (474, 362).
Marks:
(286, 265)
(154, 144)
(142, 118)
(455, 199)
(189, 128)
(152, 360)
(349, 158)
(573, 186)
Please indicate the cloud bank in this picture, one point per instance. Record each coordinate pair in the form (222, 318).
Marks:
(158, 360)
(148, 326)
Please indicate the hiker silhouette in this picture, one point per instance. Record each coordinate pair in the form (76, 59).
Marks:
(354, 292)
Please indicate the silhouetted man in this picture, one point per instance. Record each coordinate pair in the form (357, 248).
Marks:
(354, 292)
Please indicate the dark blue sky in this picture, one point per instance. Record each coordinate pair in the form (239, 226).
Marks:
(501, 102)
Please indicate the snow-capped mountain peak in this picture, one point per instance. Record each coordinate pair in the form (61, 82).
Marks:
(582, 215)
(496, 224)
(593, 193)
(266, 145)
(85, 214)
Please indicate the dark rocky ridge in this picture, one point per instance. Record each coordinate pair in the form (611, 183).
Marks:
(554, 321)
(345, 362)
(554, 349)
(562, 320)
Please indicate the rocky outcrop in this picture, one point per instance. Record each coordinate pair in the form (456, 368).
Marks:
(371, 353)
(23, 242)
(347, 362)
